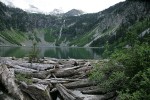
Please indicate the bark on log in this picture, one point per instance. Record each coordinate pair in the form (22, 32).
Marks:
(7, 79)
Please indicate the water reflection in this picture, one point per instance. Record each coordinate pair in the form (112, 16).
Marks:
(54, 52)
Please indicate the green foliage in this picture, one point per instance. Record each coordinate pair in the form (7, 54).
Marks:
(13, 36)
(82, 40)
(140, 87)
(107, 51)
(33, 55)
(49, 35)
(109, 75)
(126, 35)
(136, 58)
(24, 77)
(127, 72)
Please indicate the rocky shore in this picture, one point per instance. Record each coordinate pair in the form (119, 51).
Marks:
(49, 79)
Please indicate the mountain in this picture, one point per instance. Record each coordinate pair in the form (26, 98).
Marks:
(114, 24)
(74, 12)
(8, 3)
(57, 12)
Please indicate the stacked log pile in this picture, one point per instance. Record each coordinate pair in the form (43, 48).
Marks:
(48, 80)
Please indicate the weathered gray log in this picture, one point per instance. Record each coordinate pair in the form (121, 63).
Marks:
(93, 91)
(85, 69)
(66, 94)
(5, 96)
(23, 71)
(7, 79)
(46, 81)
(109, 96)
(65, 79)
(40, 74)
(53, 80)
(68, 62)
(67, 72)
(37, 66)
(37, 91)
(49, 62)
(80, 84)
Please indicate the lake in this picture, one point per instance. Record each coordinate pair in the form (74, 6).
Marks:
(53, 52)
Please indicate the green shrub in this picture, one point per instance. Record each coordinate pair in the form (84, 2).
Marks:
(33, 55)
(127, 72)
(109, 75)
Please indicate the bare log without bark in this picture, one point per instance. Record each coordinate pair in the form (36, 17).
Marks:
(7, 79)
(37, 91)
(66, 73)
(37, 66)
(54, 80)
(66, 94)
(80, 84)
(94, 91)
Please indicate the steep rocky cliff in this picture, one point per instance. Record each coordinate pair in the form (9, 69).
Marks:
(18, 27)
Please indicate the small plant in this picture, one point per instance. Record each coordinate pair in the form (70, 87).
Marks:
(24, 77)
(33, 55)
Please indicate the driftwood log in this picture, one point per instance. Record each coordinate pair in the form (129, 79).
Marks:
(79, 84)
(7, 79)
(93, 91)
(66, 94)
(50, 77)
(37, 91)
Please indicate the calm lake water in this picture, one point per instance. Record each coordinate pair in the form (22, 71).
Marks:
(53, 52)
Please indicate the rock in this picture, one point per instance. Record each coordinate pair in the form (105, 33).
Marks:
(7, 79)
(37, 91)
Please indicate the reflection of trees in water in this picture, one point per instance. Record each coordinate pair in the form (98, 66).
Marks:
(65, 52)
(12, 51)
(54, 52)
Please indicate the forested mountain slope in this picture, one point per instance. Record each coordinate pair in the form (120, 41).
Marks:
(18, 27)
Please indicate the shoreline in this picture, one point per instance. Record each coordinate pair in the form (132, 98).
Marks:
(50, 46)
(68, 76)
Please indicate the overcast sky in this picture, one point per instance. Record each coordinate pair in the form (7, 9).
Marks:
(88, 6)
